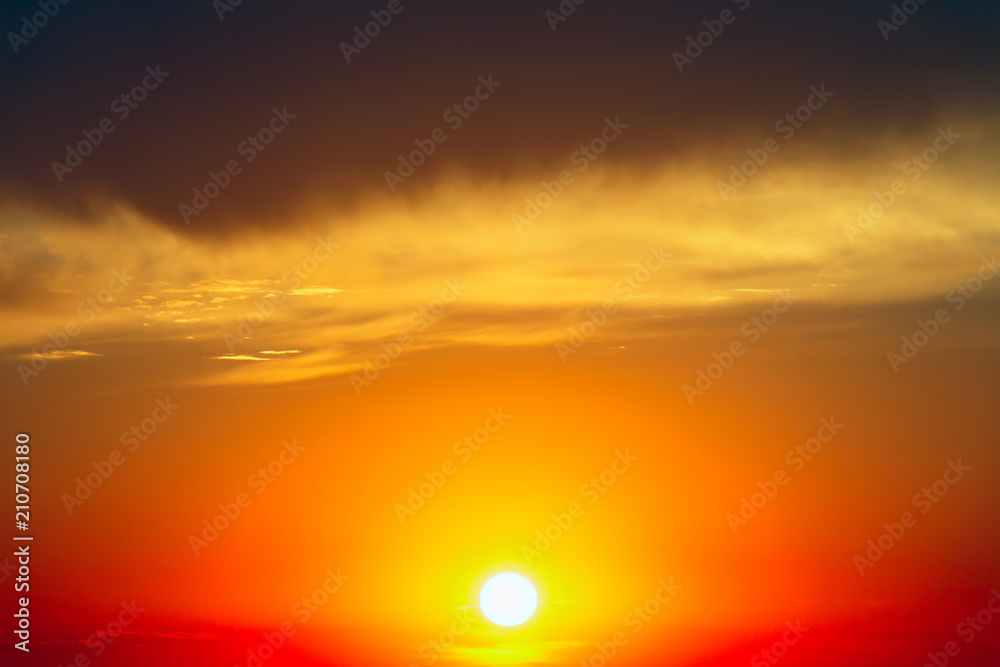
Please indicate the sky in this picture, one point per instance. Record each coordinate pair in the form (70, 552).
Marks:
(683, 311)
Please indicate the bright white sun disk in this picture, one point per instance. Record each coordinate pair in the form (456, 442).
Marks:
(508, 599)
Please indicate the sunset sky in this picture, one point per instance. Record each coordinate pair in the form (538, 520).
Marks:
(685, 332)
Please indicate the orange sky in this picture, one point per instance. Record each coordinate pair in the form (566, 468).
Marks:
(706, 422)
(507, 301)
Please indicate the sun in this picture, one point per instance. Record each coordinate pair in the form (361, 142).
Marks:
(508, 599)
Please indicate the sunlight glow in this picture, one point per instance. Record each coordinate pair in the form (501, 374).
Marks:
(508, 599)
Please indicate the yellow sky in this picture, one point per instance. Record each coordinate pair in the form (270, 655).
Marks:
(793, 227)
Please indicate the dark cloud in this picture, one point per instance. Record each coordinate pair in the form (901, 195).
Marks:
(352, 120)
